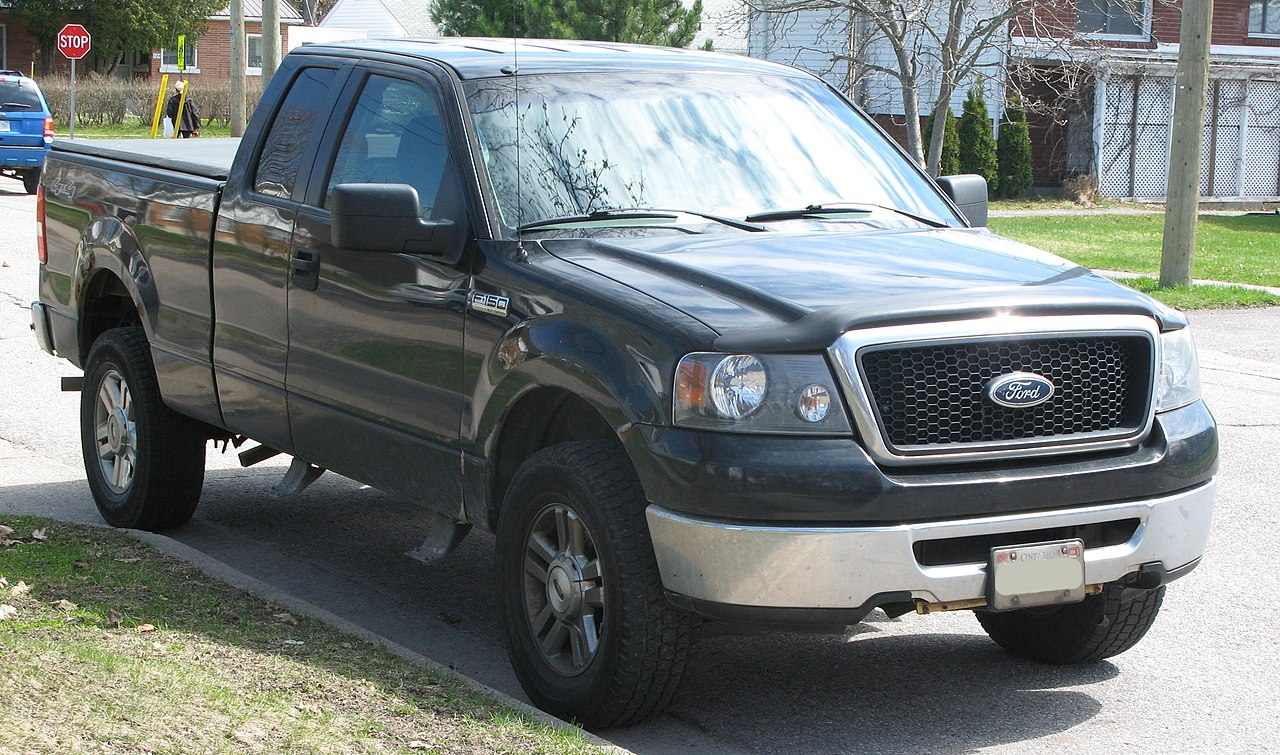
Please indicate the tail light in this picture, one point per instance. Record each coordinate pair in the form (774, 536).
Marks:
(48, 127)
(42, 244)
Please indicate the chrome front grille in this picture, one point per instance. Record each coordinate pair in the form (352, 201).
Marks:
(918, 393)
(928, 395)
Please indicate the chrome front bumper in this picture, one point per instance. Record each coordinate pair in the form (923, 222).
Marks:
(845, 567)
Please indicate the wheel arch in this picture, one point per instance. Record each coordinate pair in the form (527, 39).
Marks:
(113, 285)
(541, 416)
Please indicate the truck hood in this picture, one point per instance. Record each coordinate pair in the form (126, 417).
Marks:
(788, 291)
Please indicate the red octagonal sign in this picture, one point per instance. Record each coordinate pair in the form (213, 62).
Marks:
(73, 41)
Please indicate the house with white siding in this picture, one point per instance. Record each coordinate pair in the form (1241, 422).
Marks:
(382, 18)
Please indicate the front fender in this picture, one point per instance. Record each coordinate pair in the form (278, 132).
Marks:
(622, 383)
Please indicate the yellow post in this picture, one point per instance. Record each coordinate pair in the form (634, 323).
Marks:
(182, 102)
(159, 111)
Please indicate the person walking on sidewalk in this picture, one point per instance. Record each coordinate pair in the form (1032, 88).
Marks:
(189, 124)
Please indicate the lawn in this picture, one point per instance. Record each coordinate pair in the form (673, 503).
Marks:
(111, 646)
(1230, 248)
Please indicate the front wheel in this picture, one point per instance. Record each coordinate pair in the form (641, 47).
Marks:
(589, 631)
(1103, 625)
(144, 462)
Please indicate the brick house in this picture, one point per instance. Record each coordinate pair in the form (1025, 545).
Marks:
(1116, 124)
(209, 57)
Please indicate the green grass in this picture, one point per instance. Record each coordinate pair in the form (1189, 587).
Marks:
(147, 654)
(132, 129)
(1204, 297)
(1233, 249)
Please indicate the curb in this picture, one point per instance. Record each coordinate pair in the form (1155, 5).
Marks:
(1123, 274)
(232, 576)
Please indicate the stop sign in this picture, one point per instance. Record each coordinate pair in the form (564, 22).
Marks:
(73, 41)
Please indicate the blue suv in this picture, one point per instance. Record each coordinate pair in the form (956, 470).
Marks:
(26, 129)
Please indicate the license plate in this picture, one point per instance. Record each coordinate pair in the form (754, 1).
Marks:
(4, 127)
(1024, 576)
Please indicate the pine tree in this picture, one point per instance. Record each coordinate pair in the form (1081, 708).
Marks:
(653, 22)
(528, 19)
(1014, 150)
(977, 141)
(950, 163)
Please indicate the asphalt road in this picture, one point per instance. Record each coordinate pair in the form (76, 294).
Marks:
(1206, 678)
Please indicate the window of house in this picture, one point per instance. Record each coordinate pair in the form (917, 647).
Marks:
(169, 60)
(1264, 17)
(1121, 19)
(4, 47)
(253, 54)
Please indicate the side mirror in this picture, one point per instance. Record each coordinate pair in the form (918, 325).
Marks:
(969, 192)
(387, 218)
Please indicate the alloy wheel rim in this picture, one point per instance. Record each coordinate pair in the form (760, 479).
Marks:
(116, 431)
(564, 591)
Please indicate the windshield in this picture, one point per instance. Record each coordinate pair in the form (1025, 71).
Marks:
(725, 144)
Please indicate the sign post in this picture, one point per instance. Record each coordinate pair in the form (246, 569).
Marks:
(74, 43)
(182, 53)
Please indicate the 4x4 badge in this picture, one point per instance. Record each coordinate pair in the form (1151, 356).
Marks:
(1020, 390)
(490, 303)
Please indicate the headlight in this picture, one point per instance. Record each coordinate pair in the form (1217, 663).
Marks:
(764, 393)
(1179, 381)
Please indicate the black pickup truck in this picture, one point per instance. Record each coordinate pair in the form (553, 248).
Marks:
(686, 331)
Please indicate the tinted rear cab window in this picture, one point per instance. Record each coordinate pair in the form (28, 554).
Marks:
(290, 132)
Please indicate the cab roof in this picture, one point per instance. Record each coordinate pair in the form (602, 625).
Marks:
(479, 58)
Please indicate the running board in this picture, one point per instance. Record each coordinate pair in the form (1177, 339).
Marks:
(443, 535)
(256, 455)
(299, 477)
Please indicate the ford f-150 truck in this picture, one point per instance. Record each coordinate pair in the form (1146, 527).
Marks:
(697, 342)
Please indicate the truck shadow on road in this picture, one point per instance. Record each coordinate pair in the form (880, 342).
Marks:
(901, 686)
(912, 692)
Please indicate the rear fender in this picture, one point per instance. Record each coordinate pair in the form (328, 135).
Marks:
(109, 246)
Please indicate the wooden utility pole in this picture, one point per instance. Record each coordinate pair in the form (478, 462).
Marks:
(1182, 202)
(270, 39)
(237, 68)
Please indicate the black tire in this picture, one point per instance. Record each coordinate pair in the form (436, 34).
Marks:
(144, 462)
(31, 180)
(644, 642)
(1103, 625)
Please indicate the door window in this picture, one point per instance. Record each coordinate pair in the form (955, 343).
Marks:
(290, 132)
(394, 136)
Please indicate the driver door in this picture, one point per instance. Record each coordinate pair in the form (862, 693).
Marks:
(374, 377)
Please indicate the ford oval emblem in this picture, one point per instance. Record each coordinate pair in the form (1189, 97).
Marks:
(1020, 390)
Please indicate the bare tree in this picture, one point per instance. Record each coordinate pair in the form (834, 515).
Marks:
(314, 10)
(930, 49)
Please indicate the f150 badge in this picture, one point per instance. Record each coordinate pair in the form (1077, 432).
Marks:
(489, 303)
(1020, 390)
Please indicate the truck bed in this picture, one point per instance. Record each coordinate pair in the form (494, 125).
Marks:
(207, 158)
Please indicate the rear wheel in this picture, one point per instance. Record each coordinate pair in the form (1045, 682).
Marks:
(589, 631)
(1103, 625)
(144, 462)
(31, 180)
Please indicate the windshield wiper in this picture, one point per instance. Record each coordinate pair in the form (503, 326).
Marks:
(599, 216)
(837, 208)
(14, 106)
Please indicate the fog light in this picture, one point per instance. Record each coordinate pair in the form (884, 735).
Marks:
(815, 402)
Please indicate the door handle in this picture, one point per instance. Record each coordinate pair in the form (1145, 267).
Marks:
(305, 264)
